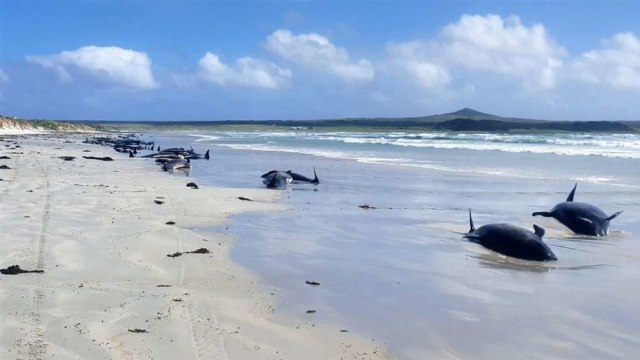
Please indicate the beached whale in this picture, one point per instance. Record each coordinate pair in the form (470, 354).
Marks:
(302, 178)
(295, 177)
(177, 164)
(581, 218)
(175, 152)
(276, 179)
(511, 240)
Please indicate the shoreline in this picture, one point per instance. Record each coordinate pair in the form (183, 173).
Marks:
(95, 230)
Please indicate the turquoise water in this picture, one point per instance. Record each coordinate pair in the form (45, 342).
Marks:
(401, 273)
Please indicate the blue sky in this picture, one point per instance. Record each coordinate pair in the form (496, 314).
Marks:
(216, 60)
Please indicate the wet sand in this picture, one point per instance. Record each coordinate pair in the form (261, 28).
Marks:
(402, 273)
(98, 230)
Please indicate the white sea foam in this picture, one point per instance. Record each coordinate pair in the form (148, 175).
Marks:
(603, 145)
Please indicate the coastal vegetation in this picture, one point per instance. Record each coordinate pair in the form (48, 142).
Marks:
(16, 124)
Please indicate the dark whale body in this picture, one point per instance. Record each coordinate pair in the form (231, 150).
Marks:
(581, 218)
(177, 164)
(276, 179)
(288, 177)
(302, 178)
(511, 240)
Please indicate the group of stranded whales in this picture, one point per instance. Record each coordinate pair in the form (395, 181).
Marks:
(518, 242)
(505, 239)
(170, 159)
(176, 158)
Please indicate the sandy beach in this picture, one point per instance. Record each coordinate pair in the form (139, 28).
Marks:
(99, 230)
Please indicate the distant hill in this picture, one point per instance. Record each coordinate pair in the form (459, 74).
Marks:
(470, 114)
(471, 120)
(465, 113)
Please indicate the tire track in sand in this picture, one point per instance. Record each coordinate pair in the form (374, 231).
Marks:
(36, 346)
(203, 325)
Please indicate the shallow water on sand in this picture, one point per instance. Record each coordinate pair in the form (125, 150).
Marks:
(401, 273)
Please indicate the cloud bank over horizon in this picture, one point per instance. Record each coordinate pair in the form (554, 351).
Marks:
(476, 61)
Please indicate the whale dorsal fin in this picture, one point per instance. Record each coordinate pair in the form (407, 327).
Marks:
(471, 227)
(538, 230)
(572, 193)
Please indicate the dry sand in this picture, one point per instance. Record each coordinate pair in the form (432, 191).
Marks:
(96, 230)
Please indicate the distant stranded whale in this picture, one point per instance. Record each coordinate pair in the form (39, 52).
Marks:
(175, 164)
(173, 153)
(298, 177)
(276, 179)
(581, 218)
(511, 240)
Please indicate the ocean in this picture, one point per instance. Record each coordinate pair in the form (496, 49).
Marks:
(399, 271)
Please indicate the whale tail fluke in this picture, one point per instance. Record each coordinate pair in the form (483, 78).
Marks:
(130, 154)
(572, 193)
(315, 177)
(206, 155)
(614, 216)
(542, 213)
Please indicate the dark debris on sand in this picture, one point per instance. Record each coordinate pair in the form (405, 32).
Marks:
(67, 158)
(4, 157)
(192, 185)
(366, 207)
(15, 270)
(106, 158)
(312, 283)
(137, 330)
(244, 198)
(170, 223)
(198, 251)
(158, 202)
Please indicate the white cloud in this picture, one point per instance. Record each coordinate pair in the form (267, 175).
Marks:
(110, 64)
(246, 71)
(616, 64)
(316, 52)
(4, 78)
(483, 43)
(415, 60)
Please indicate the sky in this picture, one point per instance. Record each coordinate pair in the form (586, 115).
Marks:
(305, 59)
